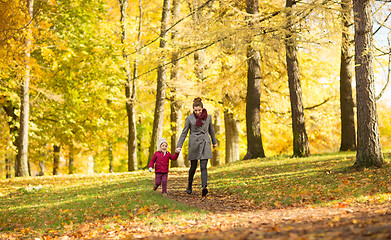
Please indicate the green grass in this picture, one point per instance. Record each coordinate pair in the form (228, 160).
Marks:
(69, 201)
(65, 203)
(320, 179)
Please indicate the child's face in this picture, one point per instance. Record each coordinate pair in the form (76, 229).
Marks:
(197, 110)
(164, 146)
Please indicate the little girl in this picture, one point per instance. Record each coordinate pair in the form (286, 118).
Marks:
(161, 160)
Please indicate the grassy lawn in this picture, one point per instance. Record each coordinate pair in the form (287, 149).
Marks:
(320, 179)
(52, 206)
(64, 203)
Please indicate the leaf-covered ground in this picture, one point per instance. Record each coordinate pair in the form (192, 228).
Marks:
(274, 198)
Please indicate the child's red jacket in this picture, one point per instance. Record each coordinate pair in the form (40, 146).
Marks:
(162, 161)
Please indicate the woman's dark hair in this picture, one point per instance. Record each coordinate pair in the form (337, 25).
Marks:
(197, 102)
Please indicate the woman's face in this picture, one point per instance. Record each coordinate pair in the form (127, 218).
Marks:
(197, 110)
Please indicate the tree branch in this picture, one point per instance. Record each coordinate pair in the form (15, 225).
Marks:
(172, 26)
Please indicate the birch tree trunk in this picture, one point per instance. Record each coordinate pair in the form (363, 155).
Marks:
(368, 138)
(176, 105)
(253, 97)
(21, 162)
(348, 130)
(300, 139)
(161, 82)
(130, 92)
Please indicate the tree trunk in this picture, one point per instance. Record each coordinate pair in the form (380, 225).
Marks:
(161, 83)
(130, 91)
(56, 159)
(253, 97)
(12, 122)
(8, 164)
(348, 130)
(91, 165)
(231, 137)
(368, 138)
(41, 168)
(199, 56)
(300, 139)
(176, 123)
(111, 170)
(176, 105)
(216, 152)
(21, 162)
(71, 167)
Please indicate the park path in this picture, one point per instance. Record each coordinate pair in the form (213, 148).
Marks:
(232, 217)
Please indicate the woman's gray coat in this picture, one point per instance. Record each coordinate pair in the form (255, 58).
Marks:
(199, 142)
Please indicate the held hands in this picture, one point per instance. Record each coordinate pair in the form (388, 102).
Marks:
(178, 150)
(150, 169)
(214, 145)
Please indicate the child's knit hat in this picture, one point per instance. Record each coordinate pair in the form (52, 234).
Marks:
(159, 143)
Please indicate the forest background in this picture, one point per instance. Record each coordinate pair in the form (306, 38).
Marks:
(85, 72)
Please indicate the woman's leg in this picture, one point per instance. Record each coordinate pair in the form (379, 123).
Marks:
(192, 170)
(204, 173)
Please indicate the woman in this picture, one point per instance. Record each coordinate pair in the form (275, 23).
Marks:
(200, 125)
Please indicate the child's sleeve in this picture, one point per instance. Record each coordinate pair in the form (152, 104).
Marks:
(153, 160)
(174, 157)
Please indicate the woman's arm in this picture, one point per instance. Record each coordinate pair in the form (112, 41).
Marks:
(184, 133)
(212, 133)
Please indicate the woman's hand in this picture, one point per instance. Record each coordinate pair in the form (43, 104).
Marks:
(178, 150)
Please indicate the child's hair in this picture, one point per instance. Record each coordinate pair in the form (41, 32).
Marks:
(197, 102)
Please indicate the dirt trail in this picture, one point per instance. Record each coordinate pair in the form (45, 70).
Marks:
(216, 202)
(232, 217)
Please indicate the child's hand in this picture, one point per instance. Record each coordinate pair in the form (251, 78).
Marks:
(178, 150)
(150, 169)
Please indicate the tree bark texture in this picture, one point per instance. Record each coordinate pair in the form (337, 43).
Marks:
(348, 129)
(21, 162)
(130, 92)
(216, 152)
(8, 164)
(41, 168)
(253, 97)
(161, 83)
(231, 137)
(56, 159)
(176, 124)
(300, 139)
(12, 122)
(368, 138)
(176, 105)
(71, 167)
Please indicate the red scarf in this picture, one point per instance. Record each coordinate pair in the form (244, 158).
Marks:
(203, 116)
